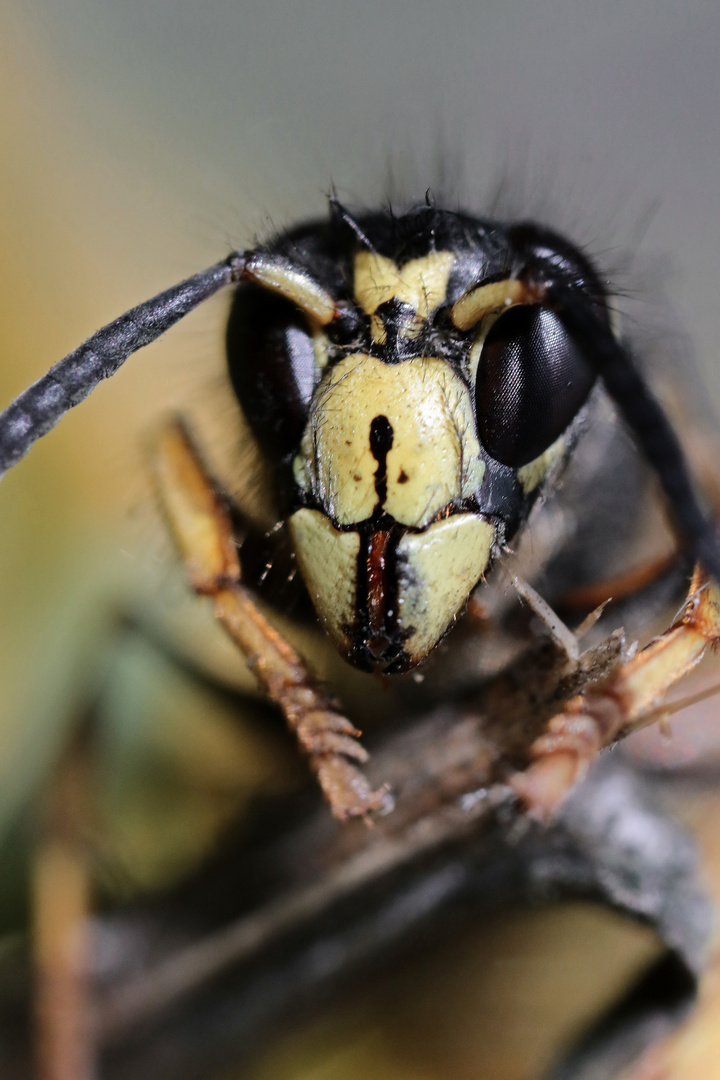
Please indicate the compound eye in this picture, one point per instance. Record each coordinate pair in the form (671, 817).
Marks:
(531, 382)
(271, 362)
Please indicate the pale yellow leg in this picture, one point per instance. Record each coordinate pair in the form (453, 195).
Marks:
(200, 523)
(625, 701)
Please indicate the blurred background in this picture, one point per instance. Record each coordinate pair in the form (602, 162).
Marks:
(139, 142)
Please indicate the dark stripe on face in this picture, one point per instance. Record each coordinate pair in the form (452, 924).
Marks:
(376, 639)
(381, 440)
(377, 569)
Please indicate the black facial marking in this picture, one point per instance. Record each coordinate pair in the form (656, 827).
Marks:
(395, 314)
(375, 635)
(381, 440)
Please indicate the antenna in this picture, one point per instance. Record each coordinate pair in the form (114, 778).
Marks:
(38, 409)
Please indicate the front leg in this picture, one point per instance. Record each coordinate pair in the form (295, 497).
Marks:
(627, 700)
(201, 526)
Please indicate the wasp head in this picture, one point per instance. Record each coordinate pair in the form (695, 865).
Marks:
(415, 396)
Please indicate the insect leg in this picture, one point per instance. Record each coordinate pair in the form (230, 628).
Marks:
(201, 525)
(620, 704)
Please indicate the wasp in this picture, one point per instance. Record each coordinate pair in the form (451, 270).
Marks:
(419, 382)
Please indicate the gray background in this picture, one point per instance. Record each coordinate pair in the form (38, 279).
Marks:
(597, 115)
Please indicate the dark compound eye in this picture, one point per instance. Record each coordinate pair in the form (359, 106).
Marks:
(531, 382)
(271, 362)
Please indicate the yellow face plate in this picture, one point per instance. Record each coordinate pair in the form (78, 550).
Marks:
(328, 564)
(421, 283)
(435, 455)
(437, 570)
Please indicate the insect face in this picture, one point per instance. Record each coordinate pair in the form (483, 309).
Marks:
(415, 382)
(413, 429)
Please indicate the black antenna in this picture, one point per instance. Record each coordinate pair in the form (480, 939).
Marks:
(38, 409)
(337, 208)
(643, 414)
